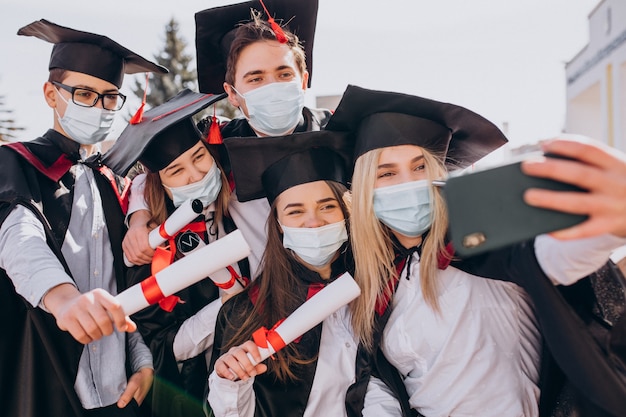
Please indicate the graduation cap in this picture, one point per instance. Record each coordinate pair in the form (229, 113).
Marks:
(265, 167)
(165, 132)
(381, 119)
(216, 27)
(89, 53)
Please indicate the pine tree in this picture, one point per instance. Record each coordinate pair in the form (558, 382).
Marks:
(181, 74)
(7, 123)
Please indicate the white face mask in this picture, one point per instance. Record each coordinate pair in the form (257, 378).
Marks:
(405, 207)
(205, 190)
(275, 109)
(315, 245)
(85, 125)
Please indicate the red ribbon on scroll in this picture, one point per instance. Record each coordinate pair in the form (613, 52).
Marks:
(262, 337)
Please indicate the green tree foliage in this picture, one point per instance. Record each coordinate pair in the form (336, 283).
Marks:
(174, 56)
(7, 123)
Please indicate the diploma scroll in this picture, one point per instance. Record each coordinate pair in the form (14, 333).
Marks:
(181, 217)
(185, 272)
(328, 300)
(225, 278)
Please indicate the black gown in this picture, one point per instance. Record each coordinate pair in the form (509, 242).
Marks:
(275, 398)
(176, 392)
(312, 120)
(39, 361)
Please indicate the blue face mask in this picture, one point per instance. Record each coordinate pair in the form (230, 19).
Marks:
(315, 245)
(405, 208)
(275, 109)
(205, 190)
(86, 125)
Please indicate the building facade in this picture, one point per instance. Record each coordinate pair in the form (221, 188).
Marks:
(596, 78)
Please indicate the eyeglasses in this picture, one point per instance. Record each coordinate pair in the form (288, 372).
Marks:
(88, 98)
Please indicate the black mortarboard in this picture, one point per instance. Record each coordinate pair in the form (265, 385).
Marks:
(165, 132)
(215, 29)
(380, 119)
(266, 167)
(89, 53)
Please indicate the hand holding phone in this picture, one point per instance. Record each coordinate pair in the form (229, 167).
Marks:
(487, 211)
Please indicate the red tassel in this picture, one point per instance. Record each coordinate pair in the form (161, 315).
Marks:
(215, 135)
(138, 116)
(278, 31)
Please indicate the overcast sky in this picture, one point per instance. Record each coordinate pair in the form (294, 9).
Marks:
(503, 59)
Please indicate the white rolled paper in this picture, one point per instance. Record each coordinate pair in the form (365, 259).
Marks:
(188, 270)
(330, 299)
(222, 277)
(181, 217)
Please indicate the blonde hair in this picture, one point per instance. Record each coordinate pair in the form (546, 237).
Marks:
(373, 248)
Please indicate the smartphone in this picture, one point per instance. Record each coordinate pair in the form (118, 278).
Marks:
(487, 211)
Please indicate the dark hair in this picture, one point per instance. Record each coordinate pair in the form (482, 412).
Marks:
(57, 74)
(154, 194)
(255, 31)
(275, 287)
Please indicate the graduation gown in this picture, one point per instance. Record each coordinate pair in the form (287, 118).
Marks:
(583, 369)
(39, 361)
(275, 398)
(312, 120)
(176, 392)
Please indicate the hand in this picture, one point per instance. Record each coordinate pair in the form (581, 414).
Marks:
(235, 364)
(87, 317)
(138, 386)
(136, 245)
(599, 169)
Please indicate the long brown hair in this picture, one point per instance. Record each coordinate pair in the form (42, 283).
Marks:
(373, 248)
(154, 194)
(275, 287)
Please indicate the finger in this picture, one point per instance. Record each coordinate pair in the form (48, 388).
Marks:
(605, 213)
(260, 368)
(91, 318)
(583, 230)
(114, 311)
(131, 326)
(146, 256)
(128, 393)
(76, 331)
(239, 363)
(564, 201)
(597, 206)
(75, 319)
(144, 380)
(100, 323)
(241, 354)
(253, 349)
(575, 173)
(587, 151)
(228, 368)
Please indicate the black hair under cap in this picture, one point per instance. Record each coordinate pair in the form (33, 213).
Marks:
(169, 124)
(215, 30)
(380, 119)
(88, 53)
(265, 167)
